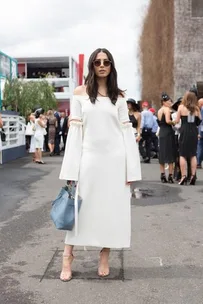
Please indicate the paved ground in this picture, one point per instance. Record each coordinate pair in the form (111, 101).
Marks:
(163, 266)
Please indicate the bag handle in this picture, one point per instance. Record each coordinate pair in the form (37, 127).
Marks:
(76, 210)
(70, 189)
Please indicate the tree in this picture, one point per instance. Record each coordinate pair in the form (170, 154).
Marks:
(157, 51)
(23, 96)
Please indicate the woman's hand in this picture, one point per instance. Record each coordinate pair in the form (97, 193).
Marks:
(138, 138)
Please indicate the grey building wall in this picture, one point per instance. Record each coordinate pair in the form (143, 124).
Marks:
(188, 56)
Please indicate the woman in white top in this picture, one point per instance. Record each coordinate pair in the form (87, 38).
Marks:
(32, 140)
(102, 155)
(40, 126)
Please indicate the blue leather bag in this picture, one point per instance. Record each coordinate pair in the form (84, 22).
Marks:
(63, 208)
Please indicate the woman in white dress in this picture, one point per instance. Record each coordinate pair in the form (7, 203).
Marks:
(40, 126)
(102, 155)
(32, 140)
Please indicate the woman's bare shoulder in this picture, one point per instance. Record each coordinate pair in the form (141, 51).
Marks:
(181, 106)
(80, 90)
(160, 110)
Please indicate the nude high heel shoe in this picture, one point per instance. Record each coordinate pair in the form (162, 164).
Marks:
(103, 269)
(66, 273)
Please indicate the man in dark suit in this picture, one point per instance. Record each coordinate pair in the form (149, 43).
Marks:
(63, 127)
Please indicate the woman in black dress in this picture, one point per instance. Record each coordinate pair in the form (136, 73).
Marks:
(166, 138)
(190, 116)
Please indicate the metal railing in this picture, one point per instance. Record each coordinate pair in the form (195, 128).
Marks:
(14, 127)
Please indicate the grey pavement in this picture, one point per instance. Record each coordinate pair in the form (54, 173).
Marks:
(163, 266)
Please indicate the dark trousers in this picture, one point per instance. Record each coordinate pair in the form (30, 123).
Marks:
(64, 137)
(145, 143)
(155, 143)
(200, 150)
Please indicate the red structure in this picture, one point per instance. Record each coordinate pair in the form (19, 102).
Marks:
(81, 68)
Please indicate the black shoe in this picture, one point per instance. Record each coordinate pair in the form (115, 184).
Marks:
(170, 179)
(163, 178)
(147, 161)
(155, 156)
(183, 180)
(193, 180)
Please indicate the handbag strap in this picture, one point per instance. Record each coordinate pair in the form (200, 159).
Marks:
(76, 209)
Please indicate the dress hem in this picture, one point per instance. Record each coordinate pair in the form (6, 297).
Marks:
(97, 245)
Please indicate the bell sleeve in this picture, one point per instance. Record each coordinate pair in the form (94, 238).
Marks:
(73, 150)
(133, 167)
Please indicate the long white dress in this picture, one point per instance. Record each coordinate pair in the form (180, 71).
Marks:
(32, 140)
(39, 135)
(102, 155)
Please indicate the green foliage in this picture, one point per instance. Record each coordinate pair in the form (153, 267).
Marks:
(24, 96)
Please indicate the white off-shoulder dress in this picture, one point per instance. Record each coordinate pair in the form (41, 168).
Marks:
(102, 155)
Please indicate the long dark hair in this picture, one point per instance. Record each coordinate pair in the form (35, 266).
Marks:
(190, 102)
(91, 80)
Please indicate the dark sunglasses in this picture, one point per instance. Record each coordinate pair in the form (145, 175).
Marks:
(98, 62)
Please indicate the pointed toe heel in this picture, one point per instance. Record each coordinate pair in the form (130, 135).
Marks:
(183, 181)
(163, 178)
(170, 179)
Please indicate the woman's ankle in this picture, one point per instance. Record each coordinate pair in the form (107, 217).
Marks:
(105, 250)
(68, 250)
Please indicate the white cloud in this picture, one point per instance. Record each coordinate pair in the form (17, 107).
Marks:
(61, 27)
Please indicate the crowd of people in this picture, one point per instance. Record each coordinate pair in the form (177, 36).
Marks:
(41, 74)
(46, 132)
(174, 135)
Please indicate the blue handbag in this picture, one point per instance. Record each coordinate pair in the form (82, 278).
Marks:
(63, 208)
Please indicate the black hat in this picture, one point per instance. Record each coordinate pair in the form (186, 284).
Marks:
(194, 90)
(134, 104)
(131, 100)
(177, 103)
(38, 112)
(165, 97)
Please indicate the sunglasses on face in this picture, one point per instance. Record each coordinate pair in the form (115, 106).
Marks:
(99, 62)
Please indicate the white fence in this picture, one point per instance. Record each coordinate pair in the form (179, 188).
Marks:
(14, 127)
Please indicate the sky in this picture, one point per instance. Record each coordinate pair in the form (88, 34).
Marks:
(65, 27)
